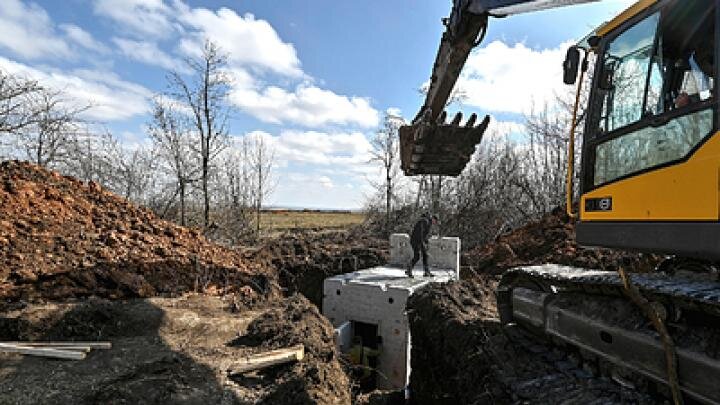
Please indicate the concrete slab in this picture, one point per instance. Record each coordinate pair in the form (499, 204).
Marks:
(378, 296)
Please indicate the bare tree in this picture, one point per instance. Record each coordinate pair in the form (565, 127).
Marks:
(386, 152)
(135, 172)
(170, 133)
(205, 96)
(56, 125)
(262, 158)
(15, 110)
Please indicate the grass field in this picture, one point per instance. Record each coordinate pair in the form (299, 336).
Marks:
(284, 220)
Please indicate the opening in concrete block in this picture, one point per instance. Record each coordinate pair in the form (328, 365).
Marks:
(364, 354)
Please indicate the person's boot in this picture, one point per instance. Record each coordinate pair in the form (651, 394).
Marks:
(408, 272)
(428, 274)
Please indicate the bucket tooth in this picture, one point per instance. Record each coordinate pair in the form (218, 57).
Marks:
(471, 121)
(441, 119)
(457, 119)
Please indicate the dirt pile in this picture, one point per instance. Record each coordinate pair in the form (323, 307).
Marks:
(449, 325)
(550, 240)
(304, 259)
(61, 238)
(461, 354)
(173, 351)
(319, 378)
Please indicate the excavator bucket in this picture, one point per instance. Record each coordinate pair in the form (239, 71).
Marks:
(439, 149)
(430, 145)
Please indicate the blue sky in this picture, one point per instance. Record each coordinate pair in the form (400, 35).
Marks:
(313, 77)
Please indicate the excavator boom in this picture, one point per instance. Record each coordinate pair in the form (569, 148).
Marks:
(431, 145)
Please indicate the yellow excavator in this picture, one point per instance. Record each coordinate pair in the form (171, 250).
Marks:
(649, 182)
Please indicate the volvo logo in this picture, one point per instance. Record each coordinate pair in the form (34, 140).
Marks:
(605, 204)
(598, 204)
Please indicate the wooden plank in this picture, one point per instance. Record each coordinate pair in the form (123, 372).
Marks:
(92, 345)
(44, 352)
(267, 359)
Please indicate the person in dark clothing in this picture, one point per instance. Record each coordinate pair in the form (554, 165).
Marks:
(419, 241)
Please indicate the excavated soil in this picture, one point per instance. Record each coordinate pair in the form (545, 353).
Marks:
(172, 351)
(550, 240)
(61, 239)
(462, 355)
(304, 259)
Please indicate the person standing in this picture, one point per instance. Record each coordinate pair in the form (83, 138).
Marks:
(419, 241)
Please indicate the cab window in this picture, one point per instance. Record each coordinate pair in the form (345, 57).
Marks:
(656, 86)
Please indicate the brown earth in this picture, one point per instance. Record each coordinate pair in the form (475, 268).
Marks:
(61, 238)
(79, 263)
(304, 259)
(550, 240)
(172, 351)
(462, 355)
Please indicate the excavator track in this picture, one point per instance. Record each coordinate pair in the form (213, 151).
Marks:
(588, 310)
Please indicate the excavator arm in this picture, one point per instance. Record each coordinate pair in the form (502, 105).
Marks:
(430, 145)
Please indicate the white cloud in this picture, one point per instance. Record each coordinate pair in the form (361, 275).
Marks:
(307, 105)
(83, 38)
(141, 18)
(147, 52)
(325, 182)
(248, 42)
(502, 78)
(323, 148)
(111, 97)
(27, 31)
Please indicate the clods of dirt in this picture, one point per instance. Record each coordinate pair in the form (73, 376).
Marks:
(61, 238)
(304, 260)
(551, 240)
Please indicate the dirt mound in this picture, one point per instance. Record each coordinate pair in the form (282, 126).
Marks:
(304, 259)
(461, 354)
(550, 240)
(173, 351)
(61, 238)
(319, 378)
(449, 325)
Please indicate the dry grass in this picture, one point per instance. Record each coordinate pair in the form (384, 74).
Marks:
(283, 220)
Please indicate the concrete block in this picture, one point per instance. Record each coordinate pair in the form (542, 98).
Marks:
(443, 253)
(343, 336)
(378, 296)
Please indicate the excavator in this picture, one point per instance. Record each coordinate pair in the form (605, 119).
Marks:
(649, 181)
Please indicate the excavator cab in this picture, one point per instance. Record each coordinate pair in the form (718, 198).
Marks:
(650, 158)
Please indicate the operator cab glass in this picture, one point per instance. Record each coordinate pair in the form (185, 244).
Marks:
(655, 100)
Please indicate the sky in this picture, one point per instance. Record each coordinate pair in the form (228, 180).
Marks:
(315, 78)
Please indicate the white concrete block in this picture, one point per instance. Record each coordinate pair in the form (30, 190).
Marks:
(443, 253)
(379, 295)
(343, 336)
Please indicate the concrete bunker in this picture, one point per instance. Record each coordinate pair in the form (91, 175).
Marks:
(367, 307)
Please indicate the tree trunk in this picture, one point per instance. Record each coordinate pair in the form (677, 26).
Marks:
(182, 202)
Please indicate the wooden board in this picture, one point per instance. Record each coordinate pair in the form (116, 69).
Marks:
(267, 359)
(42, 351)
(92, 345)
